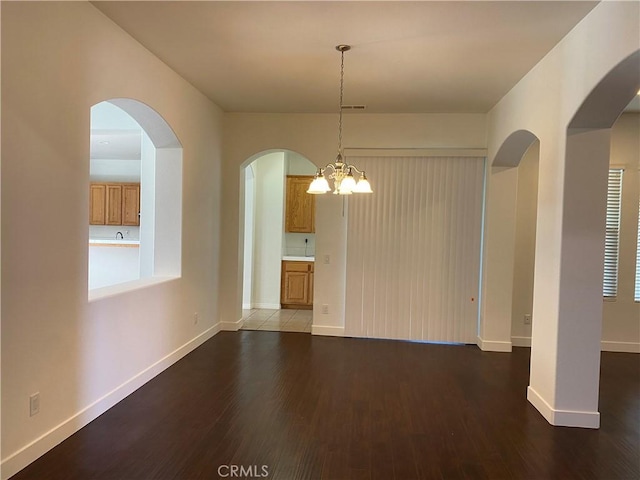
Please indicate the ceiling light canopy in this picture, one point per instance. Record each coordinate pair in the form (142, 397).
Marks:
(342, 173)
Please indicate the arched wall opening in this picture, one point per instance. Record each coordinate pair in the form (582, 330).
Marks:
(604, 134)
(525, 246)
(567, 329)
(499, 256)
(264, 239)
(133, 147)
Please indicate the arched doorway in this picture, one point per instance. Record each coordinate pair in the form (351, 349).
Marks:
(270, 245)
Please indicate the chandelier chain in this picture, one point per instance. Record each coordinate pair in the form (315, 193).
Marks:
(340, 106)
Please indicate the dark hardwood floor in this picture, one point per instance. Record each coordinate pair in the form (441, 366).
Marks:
(307, 407)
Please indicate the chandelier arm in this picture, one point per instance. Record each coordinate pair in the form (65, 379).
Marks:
(353, 167)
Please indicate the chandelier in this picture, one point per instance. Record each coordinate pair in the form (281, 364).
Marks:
(342, 173)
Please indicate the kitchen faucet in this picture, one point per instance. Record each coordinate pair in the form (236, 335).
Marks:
(121, 236)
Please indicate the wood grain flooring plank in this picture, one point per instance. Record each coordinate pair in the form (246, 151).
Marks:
(320, 408)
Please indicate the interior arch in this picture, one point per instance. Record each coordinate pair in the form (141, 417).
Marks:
(513, 148)
(611, 95)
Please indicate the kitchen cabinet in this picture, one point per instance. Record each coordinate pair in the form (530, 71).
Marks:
(114, 204)
(130, 204)
(297, 285)
(97, 206)
(300, 208)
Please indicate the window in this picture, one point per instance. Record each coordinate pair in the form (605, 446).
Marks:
(636, 295)
(612, 241)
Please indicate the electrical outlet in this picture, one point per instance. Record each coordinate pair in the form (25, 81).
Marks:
(326, 259)
(196, 318)
(325, 308)
(527, 319)
(34, 404)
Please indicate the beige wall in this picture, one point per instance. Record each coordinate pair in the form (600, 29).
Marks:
(315, 137)
(58, 59)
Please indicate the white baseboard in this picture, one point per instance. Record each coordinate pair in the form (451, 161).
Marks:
(626, 347)
(521, 341)
(605, 346)
(270, 306)
(327, 330)
(231, 326)
(563, 418)
(493, 345)
(30, 452)
(247, 306)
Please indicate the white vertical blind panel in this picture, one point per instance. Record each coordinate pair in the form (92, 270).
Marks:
(413, 249)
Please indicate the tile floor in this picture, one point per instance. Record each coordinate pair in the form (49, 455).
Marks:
(277, 320)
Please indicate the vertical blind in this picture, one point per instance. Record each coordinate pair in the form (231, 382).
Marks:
(636, 295)
(612, 239)
(413, 247)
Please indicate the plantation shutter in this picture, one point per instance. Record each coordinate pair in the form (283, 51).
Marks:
(612, 240)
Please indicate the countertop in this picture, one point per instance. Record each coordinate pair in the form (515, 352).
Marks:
(112, 242)
(293, 258)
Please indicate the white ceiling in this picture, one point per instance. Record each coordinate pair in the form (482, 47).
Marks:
(116, 144)
(115, 135)
(422, 56)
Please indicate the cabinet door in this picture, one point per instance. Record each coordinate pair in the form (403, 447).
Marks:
(300, 206)
(114, 204)
(97, 206)
(296, 288)
(130, 204)
(310, 292)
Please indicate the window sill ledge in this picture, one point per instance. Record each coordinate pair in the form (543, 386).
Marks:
(113, 290)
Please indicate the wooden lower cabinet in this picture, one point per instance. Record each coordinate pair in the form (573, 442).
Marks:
(297, 285)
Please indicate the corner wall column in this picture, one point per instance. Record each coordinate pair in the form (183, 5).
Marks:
(569, 264)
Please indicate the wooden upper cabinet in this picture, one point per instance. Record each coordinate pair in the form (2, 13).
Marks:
(97, 205)
(131, 204)
(300, 206)
(114, 204)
